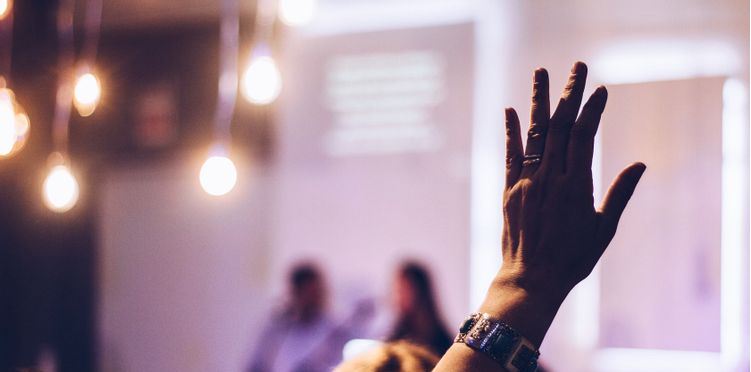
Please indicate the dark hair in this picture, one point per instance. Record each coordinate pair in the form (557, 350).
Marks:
(399, 356)
(425, 308)
(302, 274)
(418, 276)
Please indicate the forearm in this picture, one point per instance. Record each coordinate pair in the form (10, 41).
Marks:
(529, 312)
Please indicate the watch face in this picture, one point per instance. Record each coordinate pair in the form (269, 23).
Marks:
(505, 342)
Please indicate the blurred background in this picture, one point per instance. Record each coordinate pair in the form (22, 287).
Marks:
(164, 167)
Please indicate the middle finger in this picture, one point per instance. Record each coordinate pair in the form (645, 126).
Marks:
(538, 128)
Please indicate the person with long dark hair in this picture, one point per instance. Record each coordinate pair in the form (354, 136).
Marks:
(418, 318)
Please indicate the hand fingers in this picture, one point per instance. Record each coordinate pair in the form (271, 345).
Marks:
(563, 119)
(581, 142)
(540, 116)
(514, 149)
(617, 197)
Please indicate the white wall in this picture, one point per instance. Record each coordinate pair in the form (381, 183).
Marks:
(182, 276)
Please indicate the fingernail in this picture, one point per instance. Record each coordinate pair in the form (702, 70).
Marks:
(539, 73)
(578, 67)
(601, 91)
(642, 168)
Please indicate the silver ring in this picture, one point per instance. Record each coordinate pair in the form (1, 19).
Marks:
(531, 159)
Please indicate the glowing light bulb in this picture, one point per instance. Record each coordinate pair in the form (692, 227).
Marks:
(7, 123)
(296, 12)
(86, 94)
(14, 124)
(261, 82)
(22, 126)
(5, 7)
(218, 175)
(60, 189)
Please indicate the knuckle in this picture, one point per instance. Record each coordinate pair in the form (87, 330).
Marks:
(511, 200)
(536, 183)
(576, 80)
(522, 187)
(506, 204)
(571, 87)
(511, 161)
(535, 130)
(538, 94)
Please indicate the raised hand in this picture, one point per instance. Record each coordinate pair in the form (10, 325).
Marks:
(552, 234)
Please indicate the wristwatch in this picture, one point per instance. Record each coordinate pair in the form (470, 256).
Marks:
(498, 341)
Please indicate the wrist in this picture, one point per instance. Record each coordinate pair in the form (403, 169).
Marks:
(529, 309)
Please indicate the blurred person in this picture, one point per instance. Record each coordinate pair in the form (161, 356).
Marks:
(301, 336)
(418, 319)
(397, 356)
(552, 234)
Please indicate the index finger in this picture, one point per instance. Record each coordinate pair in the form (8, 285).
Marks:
(514, 148)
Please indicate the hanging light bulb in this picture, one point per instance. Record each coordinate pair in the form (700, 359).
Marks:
(296, 12)
(5, 8)
(60, 189)
(218, 174)
(7, 123)
(261, 81)
(14, 123)
(86, 93)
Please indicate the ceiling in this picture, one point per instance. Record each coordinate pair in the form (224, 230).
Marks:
(148, 13)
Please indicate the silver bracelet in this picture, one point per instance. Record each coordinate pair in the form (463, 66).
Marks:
(498, 341)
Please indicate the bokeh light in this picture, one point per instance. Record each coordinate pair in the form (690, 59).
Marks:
(86, 94)
(297, 12)
(60, 189)
(5, 8)
(218, 175)
(261, 82)
(14, 124)
(7, 123)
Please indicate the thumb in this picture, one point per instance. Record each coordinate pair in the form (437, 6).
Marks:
(615, 201)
